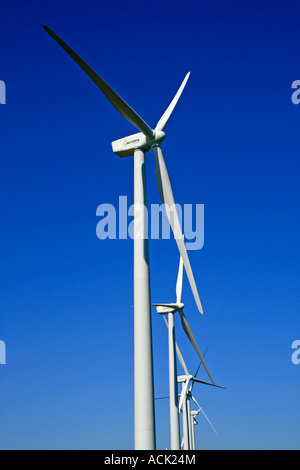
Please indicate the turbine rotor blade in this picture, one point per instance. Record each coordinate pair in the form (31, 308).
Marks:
(209, 422)
(121, 106)
(179, 284)
(165, 305)
(206, 383)
(195, 376)
(187, 329)
(181, 360)
(200, 409)
(179, 355)
(183, 394)
(167, 114)
(166, 194)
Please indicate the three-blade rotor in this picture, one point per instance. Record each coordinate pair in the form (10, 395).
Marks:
(178, 307)
(154, 138)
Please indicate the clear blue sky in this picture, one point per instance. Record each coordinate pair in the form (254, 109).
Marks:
(232, 144)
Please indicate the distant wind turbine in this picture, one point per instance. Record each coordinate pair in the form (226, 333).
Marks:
(185, 406)
(185, 396)
(193, 413)
(171, 309)
(194, 422)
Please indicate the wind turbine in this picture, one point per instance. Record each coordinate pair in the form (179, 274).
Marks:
(137, 145)
(185, 407)
(171, 309)
(187, 381)
(178, 306)
(185, 396)
(194, 422)
(193, 413)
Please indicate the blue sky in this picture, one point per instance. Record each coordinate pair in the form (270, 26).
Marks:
(232, 144)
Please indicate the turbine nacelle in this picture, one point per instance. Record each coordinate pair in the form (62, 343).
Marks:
(163, 309)
(126, 146)
(184, 378)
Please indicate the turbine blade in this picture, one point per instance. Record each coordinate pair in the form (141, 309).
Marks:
(179, 284)
(206, 383)
(178, 352)
(200, 363)
(181, 360)
(200, 409)
(167, 114)
(195, 376)
(121, 106)
(183, 394)
(187, 329)
(164, 305)
(209, 422)
(166, 194)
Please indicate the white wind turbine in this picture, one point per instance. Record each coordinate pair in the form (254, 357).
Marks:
(193, 414)
(137, 145)
(184, 406)
(171, 309)
(186, 395)
(194, 422)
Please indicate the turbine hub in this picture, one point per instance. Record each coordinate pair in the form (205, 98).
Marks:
(158, 138)
(180, 306)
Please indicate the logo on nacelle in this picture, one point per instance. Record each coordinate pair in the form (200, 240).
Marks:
(126, 142)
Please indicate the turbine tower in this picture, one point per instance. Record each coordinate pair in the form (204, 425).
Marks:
(170, 310)
(137, 145)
